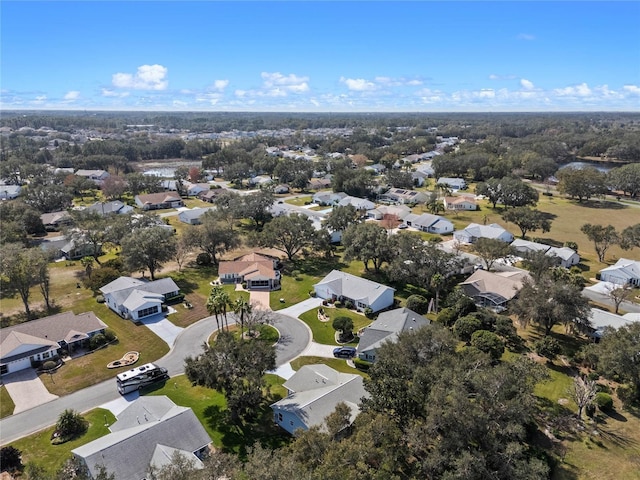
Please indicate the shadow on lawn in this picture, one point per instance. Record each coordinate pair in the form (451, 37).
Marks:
(315, 266)
(603, 204)
(241, 437)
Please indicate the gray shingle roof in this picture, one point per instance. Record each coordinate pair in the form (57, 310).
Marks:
(353, 287)
(387, 327)
(128, 452)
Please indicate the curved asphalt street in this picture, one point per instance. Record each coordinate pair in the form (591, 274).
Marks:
(294, 339)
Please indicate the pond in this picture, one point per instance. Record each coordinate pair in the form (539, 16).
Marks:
(581, 165)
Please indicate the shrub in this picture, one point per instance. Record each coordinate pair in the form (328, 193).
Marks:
(593, 376)
(349, 304)
(296, 274)
(344, 325)
(97, 341)
(604, 401)
(368, 312)
(110, 335)
(203, 258)
(338, 304)
(447, 316)
(418, 304)
(100, 299)
(602, 387)
(70, 424)
(49, 365)
(547, 347)
(361, 364)
(100, 277)
(10, 459)
(571, 245)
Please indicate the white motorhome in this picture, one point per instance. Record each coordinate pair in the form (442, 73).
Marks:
(139, 377)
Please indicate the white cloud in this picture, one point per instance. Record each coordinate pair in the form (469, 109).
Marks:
(72, 95)
(277, 84)
(40, 98)
(112, 93)
(358, 84)
(526, 36)
(220, 84)
(147, 77)
(526, 84)
(632, 89)
(314, 102)
(495, 76)
(581, 90)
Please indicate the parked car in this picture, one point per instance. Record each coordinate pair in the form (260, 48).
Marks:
(344, 352)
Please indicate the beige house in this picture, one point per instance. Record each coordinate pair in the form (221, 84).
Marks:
(258, 271)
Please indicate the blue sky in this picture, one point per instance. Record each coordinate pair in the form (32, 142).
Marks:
(329, 56)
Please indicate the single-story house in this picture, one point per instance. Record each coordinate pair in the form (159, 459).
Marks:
(96, 176)
(426, 168)
(314, 391)
(403, 196)
(453, 183)
(361, 292)
(400, 211)
(10, 192)
(599, 320)
(319, 183)
(474, 231)
(42, 339)
(195, 189)
(169, 185)
(386, 328)
(135, 299)
(428, 222)
(419, 178)
(377, 168)
(210, 195)
(565, 256)
(109, 208)
(358, 203)
(156, 201)
(460, 203)
(260, 272)
(493, 289)
(317, 217)
(260, 180)
(281, 188)
(54, 220)
(623, 272)
(145, 436)
(192, 216)
(328, 198)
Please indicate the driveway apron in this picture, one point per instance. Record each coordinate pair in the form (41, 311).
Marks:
(26, 390)
(260, 299)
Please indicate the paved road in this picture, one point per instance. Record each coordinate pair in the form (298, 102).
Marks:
(294, 339)
(604, 299)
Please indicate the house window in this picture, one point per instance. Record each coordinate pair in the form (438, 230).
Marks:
(279, 417)
(291, 423)
(4, 369)
(362, 305)
(46, 355)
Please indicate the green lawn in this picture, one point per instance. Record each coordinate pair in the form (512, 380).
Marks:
(335, 363)
(300, 201)
(6, 403)
(37, 448)
(323, 332)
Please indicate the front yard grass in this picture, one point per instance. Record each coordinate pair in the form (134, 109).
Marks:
(300, 201)
(323, 332)
(6, 403)
(90, 369)
(37, 448)
(335, 363)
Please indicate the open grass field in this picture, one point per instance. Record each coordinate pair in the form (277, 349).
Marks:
(37, 448)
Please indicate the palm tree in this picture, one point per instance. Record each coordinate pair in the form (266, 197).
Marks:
(241, 307)
(437, 282)
(217, 304)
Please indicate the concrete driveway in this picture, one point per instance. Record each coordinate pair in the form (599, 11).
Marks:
(260, 299)
(299, 308)
(162, 327)
(26, 390)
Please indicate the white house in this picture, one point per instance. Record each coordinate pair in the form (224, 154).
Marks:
(314, 393)
(134, 299)
(623, 272)
(400, 211)
(145, 437)
(430, 223)
(386, 328)
(96, 176)
(453, 183)
(566, 257)
(156, 201)
(10, 192)
(474, 231)
(195, 189)
(108, 208)
(599, 320)
(40, 340)
(403, 196)
(361, 292)
(328, 198)
(192, 216)
(358, 203)
(460, 203)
